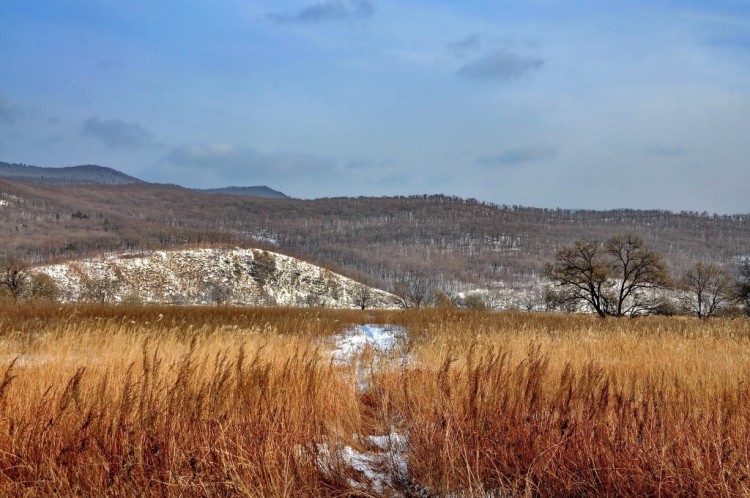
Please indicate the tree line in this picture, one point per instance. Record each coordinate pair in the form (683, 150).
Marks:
(623, 276)
(620, 276)
(463, 243)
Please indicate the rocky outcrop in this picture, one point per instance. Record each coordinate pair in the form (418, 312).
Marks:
(211, 276)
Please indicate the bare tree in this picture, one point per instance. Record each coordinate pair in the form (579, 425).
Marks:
(707, 288)
(13, 276)
(414, 290)
(362, 296)
(638, 272)
(534, 299)
(615, 278)
(581, 272)
(399, 290)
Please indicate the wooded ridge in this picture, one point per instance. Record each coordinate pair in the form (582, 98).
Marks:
(462, 243)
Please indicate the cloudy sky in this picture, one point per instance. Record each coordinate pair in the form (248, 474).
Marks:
(586, 104)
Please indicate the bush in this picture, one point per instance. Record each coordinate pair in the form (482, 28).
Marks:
(475, 302)
(42, 287)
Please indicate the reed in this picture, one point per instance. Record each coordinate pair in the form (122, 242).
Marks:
(221, 401)
(569, 406)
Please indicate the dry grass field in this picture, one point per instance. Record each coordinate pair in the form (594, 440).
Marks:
(221, 401)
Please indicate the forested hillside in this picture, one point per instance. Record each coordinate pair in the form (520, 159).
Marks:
(461, 243)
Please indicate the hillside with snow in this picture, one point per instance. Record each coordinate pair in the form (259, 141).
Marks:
(462, 245)
(211, 276)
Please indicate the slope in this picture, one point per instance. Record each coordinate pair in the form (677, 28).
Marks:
(211, 276)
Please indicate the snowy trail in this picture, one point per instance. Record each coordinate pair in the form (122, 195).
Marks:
(383, 467)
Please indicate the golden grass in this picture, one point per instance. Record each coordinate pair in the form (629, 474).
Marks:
(219, 401)
(575, 406)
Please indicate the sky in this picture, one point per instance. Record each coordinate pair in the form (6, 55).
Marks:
(581, 104)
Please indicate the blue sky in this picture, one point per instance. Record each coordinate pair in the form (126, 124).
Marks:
(550, 104)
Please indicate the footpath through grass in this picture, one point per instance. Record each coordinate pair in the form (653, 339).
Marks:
(220, 401)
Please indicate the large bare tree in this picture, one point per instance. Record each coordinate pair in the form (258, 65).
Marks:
(707, 287)
(616, 278)
(639, 273)
(581, 272)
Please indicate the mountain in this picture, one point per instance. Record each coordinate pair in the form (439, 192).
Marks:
(211, 276)
(79, 175)
(101, 175)
(261, 191)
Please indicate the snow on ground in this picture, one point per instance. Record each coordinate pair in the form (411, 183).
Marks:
(386, 342)
(382, 339)
(383, 466)
(209, 276)
(377, 470)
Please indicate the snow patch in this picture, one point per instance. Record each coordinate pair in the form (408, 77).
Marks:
(382, 339)
(379, 469)
(388, 343)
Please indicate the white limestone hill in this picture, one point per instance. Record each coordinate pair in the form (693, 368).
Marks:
(210, 276)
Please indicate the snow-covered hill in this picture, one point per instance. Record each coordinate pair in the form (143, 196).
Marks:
(211, 276)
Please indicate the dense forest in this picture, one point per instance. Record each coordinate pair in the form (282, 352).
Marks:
(462, 243)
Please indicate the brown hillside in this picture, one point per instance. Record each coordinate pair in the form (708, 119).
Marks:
(458, 241)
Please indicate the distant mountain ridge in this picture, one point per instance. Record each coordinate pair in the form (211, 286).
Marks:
(77, 175)
(92, 174)
(261, 191)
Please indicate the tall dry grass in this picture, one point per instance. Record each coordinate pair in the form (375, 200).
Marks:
(168, 402)
(539, 405)
(214, 401)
